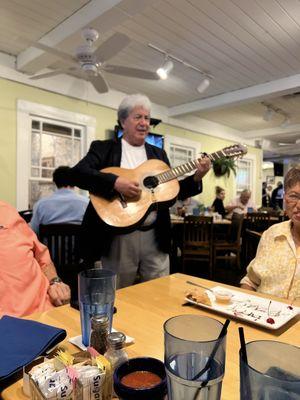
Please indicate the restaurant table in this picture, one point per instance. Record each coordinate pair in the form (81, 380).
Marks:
(142, 310)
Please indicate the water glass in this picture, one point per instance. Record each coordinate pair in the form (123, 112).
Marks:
(271, 373)
(96, 293)
(189, 343)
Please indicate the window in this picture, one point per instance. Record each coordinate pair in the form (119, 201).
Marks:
(180, 150)
(243, 175)
(53, 143)
(46, 138)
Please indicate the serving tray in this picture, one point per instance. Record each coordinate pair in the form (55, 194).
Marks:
(266, 313)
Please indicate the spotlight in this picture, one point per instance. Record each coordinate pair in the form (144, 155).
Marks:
(269, 114)
(163, 71)
(203, 85)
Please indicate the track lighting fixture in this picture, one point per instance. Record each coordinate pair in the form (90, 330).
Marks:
(165, 69)
(168, 65)
(285, 122)
(268, 115)
(271, 111)
(203, 85)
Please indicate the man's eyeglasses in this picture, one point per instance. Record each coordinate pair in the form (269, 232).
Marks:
(293, 197)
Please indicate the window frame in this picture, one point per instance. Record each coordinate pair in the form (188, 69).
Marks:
(174, 141)
(252, 169)
(25, 111)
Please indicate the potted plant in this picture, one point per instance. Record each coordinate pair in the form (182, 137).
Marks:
(223, 166)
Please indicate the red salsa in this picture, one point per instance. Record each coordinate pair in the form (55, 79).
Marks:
(141, 380)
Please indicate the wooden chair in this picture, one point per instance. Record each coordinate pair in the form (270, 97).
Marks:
(230, 249)
(62, 241)
(197, 241)
(252, 240)
(257, 221)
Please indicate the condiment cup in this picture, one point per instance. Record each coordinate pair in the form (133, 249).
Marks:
(149, 364)
(223, 295)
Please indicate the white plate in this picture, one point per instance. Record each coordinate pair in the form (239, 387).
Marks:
(251, 308)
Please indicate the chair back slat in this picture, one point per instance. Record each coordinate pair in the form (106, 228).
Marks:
(258, 221)
(62, 242)
(197, 241)
(197, 231)
(235, 230)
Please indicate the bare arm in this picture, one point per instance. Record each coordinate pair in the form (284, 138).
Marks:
(59, 292)
(247, 287)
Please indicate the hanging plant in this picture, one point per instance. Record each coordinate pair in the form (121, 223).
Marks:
(223, 166)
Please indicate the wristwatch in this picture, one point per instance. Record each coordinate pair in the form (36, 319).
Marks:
(54, 280)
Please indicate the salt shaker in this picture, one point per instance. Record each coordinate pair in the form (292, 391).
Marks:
(116, 354)
(99, 333)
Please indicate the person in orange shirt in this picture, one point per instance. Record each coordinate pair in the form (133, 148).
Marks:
(29, 282)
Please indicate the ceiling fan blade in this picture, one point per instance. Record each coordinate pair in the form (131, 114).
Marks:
(111, 47)
(132, 72)
(57, 53)
(49, 74)
(99, 83)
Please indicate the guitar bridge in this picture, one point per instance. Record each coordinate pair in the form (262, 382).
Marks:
(153, 198)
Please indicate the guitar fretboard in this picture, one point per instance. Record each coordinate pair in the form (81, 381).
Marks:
(188, 167)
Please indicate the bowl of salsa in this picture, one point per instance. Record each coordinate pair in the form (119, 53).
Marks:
(142, 378)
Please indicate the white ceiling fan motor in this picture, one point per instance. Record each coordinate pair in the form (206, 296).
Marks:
(90, 34)
(90, 69)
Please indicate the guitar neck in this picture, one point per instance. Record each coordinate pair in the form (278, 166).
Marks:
(188, 167)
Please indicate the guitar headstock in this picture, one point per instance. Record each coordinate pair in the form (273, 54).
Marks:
(235, 151)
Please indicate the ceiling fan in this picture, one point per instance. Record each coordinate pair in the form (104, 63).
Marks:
(89, 62)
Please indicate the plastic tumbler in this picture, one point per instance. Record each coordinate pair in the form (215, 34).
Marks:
(96, 293)
(272, 371)
(192, 373)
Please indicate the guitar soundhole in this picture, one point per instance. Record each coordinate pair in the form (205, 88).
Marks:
(150, 182)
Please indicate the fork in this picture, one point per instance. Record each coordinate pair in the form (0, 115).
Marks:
(197, 284)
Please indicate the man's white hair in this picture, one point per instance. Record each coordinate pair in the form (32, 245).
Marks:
(130, 102)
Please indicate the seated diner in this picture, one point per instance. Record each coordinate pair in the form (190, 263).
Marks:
(29, 282)
(276, 268)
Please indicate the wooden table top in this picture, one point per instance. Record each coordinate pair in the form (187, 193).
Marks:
(142, 311)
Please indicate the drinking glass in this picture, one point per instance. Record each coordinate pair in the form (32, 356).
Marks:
(271, 373)
(189, 343)
(96, 293)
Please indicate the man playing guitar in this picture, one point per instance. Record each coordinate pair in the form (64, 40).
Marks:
(142, 247)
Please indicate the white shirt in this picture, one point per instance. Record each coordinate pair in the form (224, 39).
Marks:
(132, 157)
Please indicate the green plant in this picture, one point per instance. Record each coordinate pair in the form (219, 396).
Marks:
(223, 166)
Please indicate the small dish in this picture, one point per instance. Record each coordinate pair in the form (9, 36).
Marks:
(223, 296)
(142, 364)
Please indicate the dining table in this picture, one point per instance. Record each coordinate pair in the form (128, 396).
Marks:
(142, 310)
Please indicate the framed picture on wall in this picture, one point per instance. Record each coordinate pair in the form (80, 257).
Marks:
(270, 180)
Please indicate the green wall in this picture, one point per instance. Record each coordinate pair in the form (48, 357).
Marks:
(11, 91)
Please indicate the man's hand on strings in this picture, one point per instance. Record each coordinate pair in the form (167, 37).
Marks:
(203, 167)
(127, 187)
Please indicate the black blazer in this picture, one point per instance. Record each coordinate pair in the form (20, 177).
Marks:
(96, 235)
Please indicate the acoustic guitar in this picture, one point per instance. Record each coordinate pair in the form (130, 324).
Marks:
(158, 183)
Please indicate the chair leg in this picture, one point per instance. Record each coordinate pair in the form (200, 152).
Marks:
(183, 263)
(238, 260)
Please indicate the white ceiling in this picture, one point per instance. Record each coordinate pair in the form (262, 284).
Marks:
(250, 47)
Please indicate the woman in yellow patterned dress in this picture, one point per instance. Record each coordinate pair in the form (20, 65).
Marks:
(276, 268)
